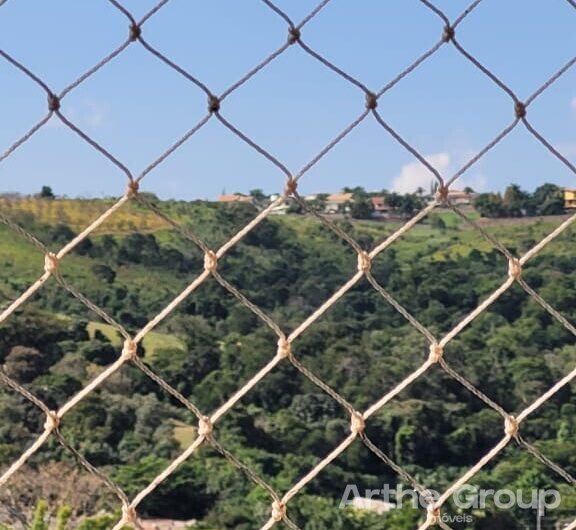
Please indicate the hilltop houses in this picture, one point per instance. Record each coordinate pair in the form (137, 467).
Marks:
(569, 198)
(279, 209)
(460, 198)
(334, 203)
(236, 197)
(381, 209)
(338, 202)
(362, 204)
(327, 203)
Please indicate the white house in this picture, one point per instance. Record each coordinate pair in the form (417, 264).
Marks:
(279, 209)
(338, 202)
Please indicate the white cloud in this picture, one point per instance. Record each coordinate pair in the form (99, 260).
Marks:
(94, 114)
(87, 113)
(573, 104)
(416, 175)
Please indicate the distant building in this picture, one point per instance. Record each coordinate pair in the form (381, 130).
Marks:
(460, 198)
(236, 197)
(279, 209)
(338, 202)
(456, 197)
(381, 209)
(569, 198)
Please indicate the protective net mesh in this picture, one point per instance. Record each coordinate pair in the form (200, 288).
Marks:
(208, 422)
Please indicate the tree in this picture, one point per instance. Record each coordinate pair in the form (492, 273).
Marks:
(548, 200)
(294, 207)
(62, 517)
(39, 523)
(358, 191)
(394, 200)
(515, 201)
(101, 353)
(490, 205)
(140, 248)
(104, 273)
(47, 193)
(409, 204)
(362, 209)
(61, 234)
(319, 204)
(259, 197)
(403, 442)
(25, 364)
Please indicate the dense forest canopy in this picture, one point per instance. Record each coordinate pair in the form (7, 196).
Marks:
(130, 428)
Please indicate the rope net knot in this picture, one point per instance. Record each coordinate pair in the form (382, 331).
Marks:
(284, 348)
(520, 110)
(132, 188)
(52, 421)
(129, 350)
(278, 510)
(51, 263)
(514, 268)
(371, 100)
(291, 187)
(432, 515)
(129, 515)
(213, 103)
(364, 262)
(134, 32)
(210, 261)
(53, 102)
(436, 352)
(357, 423)
(448, 33)
(293, 35)
(205, 427)
(511, 426)
(441, 196)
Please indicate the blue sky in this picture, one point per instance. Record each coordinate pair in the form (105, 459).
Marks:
(136, 106)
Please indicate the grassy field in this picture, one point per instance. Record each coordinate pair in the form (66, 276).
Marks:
(458, 238)
(152, 341)
(184, 434)
(77, 213)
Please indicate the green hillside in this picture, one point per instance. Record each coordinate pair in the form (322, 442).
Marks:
(130, 429)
